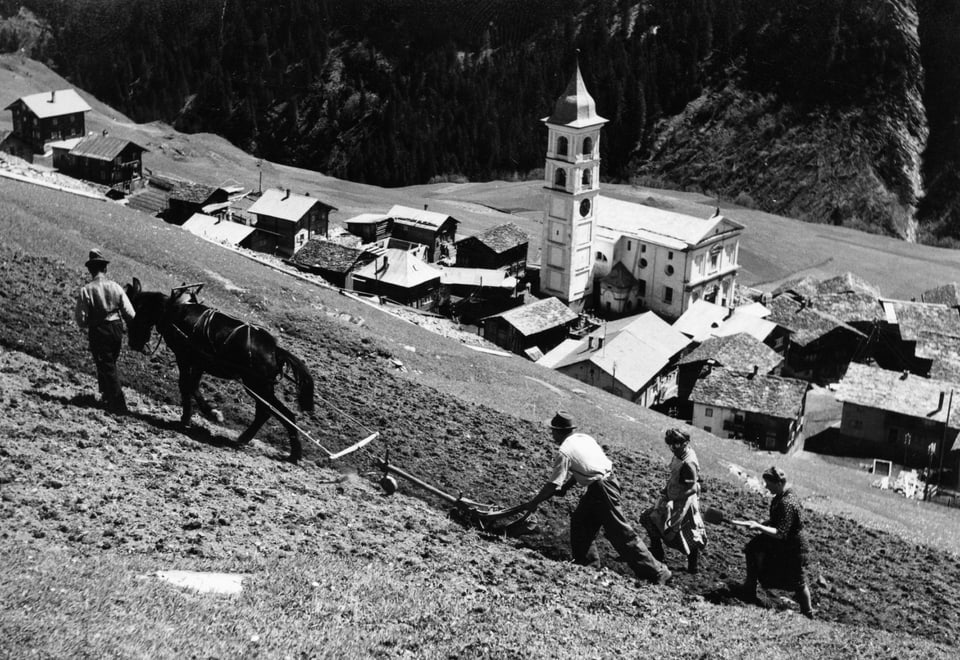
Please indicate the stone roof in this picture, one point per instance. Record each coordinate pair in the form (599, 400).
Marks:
(774, 396)
(102, 147)
(902, 393)
(503, 237)
(850, 307)
(538, 316)
(188, 191)
(946, 294)
(739, 352)
(806, 323)
(318, 253)
(811, 287)
(917, 318)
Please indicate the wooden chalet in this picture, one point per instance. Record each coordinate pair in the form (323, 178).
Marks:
(370, 227)
(766, 411)
(542, 324)
(331, 261)
(103, 159)
(503, 247)
(286, 221)
(899, 416)
(435, 230)
(49, 116)
(187, 198)
(398, 275)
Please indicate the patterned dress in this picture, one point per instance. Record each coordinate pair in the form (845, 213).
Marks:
(676, 519)
(784, 560)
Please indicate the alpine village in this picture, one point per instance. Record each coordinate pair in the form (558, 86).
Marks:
(627, 297)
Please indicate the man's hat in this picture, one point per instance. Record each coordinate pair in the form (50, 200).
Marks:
(775, 474)
(562, 421)
(676, 436)
(96, 258)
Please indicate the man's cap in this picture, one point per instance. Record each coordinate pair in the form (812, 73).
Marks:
(562, 421)
(96, 258)
(775, 474)
(676, 436)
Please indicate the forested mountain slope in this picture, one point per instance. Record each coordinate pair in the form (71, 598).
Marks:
(840, 112)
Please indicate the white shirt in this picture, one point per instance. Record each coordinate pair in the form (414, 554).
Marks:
(580, 456)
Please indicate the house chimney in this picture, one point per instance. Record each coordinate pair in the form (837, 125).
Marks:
(286, 196)
(424, 207)
(53, 95)
(104, 132)
(756, 370)
(906, 373)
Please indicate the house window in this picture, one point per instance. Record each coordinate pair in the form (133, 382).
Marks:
(642, 288)
(670, 254)
(561, 146)
(668, 295)
(707, 429)
(708, 412)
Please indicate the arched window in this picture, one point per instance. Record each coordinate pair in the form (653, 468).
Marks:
(586, 178)
(561, 146)
(588, 147)
(560, 178)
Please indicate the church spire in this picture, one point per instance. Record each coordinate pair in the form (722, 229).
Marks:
(575, 107)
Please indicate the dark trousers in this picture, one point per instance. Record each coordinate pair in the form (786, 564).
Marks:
(599, 507)
(105, 342)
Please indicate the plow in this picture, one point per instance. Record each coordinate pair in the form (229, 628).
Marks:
(465, 510)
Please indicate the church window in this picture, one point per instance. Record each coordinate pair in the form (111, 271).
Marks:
(585, 208)
(643, 248)
(643, 262)
(670, 255)
(668, 270)
(560, 178)
(585, 180)
(668, 295)
(561, 146)
(642, 288)
(629, 245)
(587, 147)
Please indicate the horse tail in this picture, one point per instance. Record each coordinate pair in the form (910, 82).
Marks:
(301, 376)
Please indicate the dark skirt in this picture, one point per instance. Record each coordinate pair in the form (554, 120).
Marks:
(784, 563)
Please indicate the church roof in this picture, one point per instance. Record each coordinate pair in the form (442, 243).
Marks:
(619, 277)
(575, 107)
(653, 225)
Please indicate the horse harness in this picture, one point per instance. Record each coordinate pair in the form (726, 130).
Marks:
(200, 333)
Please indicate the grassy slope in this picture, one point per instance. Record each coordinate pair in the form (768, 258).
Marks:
(46, 223)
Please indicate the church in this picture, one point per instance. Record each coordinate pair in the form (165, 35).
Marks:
(617, 257)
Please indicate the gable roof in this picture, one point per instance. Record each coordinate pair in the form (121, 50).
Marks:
(619, 277)
(701, 319)
(537, 316)
(189, 191)
(850, 307)
(102, 147)
(285, 205)
(503, 237)
(916, 318)
(945, 294)
(748, 322)
(418, 217)
(53, 104)
(654, 225)
(478, 277)
(810, 286)
(328, 255)
(366, 219)
(217, 229)
(906, 394)
(633, 355)
(774, 396)
(739, 352)
(403, 269)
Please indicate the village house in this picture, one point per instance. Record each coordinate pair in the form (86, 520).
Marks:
(187, 197)
(819, 346)
(398, 275)
(923, 338)
(286, 221)
(331, 261)
(666, 260)
(739, 352)
(766, 411)
(102, 159)
(635, 358)
(49, 116)
(899, 416)
(473, 293)
(503, 247)
(541, 325)
(435, 230)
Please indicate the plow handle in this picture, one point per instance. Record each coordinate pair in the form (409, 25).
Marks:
(458, 501)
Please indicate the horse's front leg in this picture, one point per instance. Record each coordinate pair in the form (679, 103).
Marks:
(206, 409)
(189, 382)
(261, 415)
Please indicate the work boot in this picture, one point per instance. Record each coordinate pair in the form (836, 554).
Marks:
(664, 576)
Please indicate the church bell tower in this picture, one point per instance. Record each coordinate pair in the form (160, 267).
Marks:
(571, 175)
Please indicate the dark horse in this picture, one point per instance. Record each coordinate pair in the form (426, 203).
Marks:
(206, 341)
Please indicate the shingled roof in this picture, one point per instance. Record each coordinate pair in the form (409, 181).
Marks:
(739, 352)
(774, 396)
(188, 191)
(538, 316)
(805, 323)
(946, 294)
(318, 253)
(916, 318)
(102, 147)
(850, 307)
(503, 237)
(903, 393)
